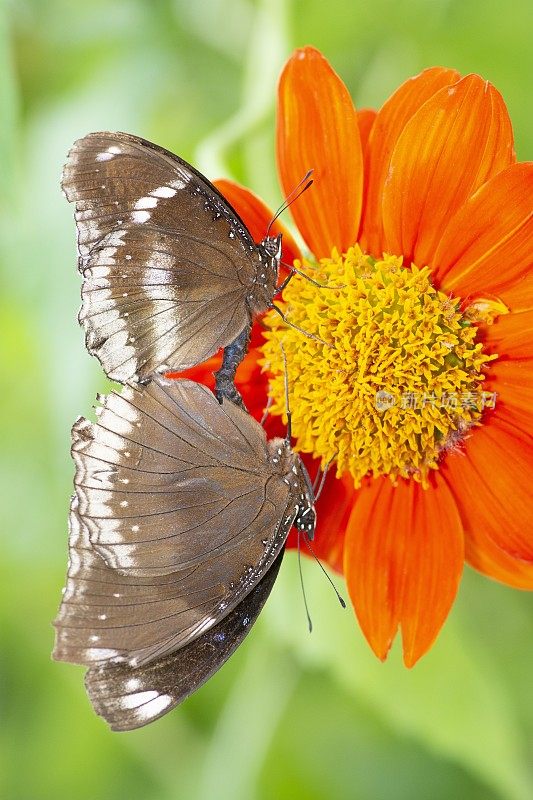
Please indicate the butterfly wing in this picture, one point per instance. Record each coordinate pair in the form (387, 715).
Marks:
(167, 263)
(129, 698)
(204, 518)
(168, 477)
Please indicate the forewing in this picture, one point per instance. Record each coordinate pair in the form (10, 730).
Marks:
(167, 263)
(108, 617)
(168, 477)
(129, 698)
(176, 518)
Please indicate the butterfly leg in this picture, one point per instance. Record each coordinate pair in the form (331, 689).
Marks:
(225, 376)
(284, 283)
(309, 335)
(294, 271)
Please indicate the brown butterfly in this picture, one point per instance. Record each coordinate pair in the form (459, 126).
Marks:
(170, 271)
(178, 525)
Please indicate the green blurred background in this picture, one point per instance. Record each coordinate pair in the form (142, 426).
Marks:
(291, 715)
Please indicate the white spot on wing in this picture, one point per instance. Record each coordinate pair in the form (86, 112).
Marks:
(137, 699)
(164, 191)
(115, 238)
(69, 592)
(111, 533)
(122, 559)
(178, 183)
(107, 253)
(153, 707)
(99, 654)
(160, 260)
(111, 152)
(140, 216)
(146, 202)
(74, 563)
(132, 684)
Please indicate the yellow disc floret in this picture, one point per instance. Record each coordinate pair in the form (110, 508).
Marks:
(396, 378)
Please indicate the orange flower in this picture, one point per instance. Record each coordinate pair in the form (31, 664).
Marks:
(421, 217)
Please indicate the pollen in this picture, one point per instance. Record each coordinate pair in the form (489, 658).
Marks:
(394, 376)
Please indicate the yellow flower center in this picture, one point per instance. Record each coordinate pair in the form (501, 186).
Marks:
(397, 378)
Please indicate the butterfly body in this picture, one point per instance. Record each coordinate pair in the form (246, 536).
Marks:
(290, 467)
(170, 271)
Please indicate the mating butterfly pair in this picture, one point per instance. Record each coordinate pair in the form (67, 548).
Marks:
(181, 507)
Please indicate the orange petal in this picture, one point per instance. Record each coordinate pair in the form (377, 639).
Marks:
(403, 558)
(365, 120)
(369, 569)
(458, 140)
(250, 380)
(256, 215)
(487, 244)
(519, 295)
(482, 554)
(480, 550)
(333, 512)
(317, 129)
(202, 373)
(512, 381)
(389, 123)
(511, 335)
(491, 481)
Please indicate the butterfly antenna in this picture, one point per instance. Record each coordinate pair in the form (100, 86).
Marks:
(287, 406)
(291, 197)
(309, 622)
(318, 492)
(317, 480)
(308, 544)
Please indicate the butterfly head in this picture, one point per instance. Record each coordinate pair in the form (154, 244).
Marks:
(305, 519)
(272, 246)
